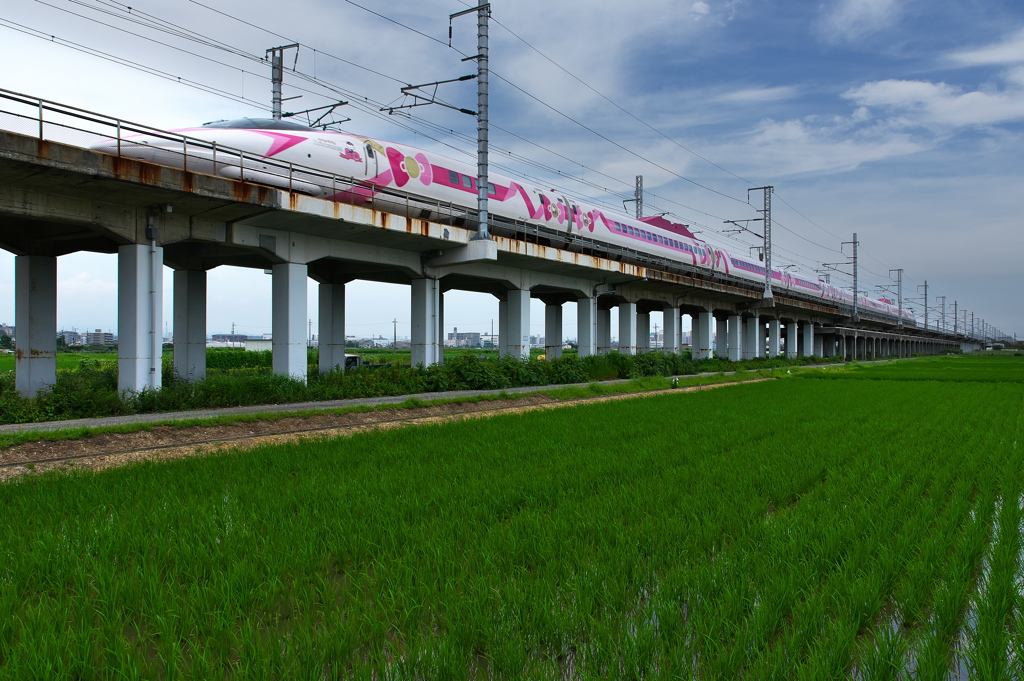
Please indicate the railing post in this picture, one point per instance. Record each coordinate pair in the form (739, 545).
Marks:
(291, 171)
(118, 136)
(184, 148)
(215, 158)
(40, 118)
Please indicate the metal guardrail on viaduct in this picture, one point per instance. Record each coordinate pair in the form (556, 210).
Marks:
(58, 197)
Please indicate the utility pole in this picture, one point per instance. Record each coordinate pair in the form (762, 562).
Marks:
(276, 55)
(638, 198)
(899, 294)
(483, 16)
(972, 324)
(856, 287)
(925, 287)
(394, 343)
(767, 213)
(955, 317)
(943, 313)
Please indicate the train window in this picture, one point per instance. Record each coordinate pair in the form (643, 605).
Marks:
(467, 181)
(453, 177)
(259, 124)
(491, 189)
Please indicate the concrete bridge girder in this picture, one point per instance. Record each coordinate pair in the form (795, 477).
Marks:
(57, 199)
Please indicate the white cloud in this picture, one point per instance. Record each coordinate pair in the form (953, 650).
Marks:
(758, 94)
(700, 8)
(1009, 51)
(812, 145)
(852, 19)
(927, 103)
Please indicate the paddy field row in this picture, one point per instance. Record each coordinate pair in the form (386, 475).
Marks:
(834, 524)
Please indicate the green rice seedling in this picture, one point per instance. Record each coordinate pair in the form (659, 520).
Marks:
(707, 535)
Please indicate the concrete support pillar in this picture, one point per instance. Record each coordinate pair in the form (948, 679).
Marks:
(502, 327)
(721, 337)
(627, 328)
(553, 330)
(735, 338)
(288, 320)
(750, 329)
(35, 323)
(792, 331)
(808, 338)
(774, 337)
(702, 334)
(604, 332)
(190, 324)
(586, 326)
(829, 349)
(331, 337)
(140, 318)
(673, 330)
(819, 346)
(761, 338)
(440, 324)
(643, 332)
(519, 323)
(426, 301)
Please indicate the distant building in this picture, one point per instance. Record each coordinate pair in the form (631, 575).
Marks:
(257, 344)
(99, 337)
(71, 337)
(229, 338)
(470, 339)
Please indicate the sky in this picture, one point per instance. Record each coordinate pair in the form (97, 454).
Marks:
(899, 120)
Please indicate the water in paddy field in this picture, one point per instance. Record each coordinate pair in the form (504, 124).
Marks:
(960, 667)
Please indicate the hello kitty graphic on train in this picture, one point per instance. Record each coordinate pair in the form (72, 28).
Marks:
(271, 147)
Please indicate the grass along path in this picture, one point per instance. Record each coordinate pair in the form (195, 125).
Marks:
(108, 450)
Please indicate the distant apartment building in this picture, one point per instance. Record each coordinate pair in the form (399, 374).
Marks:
(71, 337)
(99, 337)
(470, 339)
(229, 338)
(6, 330)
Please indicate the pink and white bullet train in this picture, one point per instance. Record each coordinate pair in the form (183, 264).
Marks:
(292, 156)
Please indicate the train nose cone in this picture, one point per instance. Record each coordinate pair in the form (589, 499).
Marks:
(106, 146)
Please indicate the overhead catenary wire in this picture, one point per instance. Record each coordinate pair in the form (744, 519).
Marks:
(209, 89)
(212, 43)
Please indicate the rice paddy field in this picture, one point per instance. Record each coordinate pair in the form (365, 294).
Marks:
(858, 523)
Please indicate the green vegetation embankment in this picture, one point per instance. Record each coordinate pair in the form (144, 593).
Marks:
(238, 378)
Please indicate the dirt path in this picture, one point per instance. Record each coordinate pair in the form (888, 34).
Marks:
(164, 442)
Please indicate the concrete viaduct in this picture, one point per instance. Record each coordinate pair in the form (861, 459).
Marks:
(57, 198)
